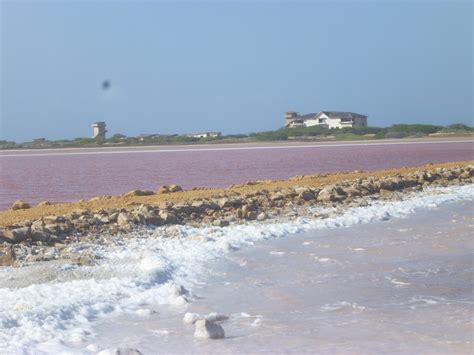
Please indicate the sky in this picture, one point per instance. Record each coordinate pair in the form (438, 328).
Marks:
(230, 66)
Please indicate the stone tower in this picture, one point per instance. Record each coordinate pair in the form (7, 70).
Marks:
(99, 131)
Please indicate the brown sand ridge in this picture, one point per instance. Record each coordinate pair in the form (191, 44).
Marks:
(108, 202)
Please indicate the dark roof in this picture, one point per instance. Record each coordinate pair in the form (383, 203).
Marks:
(337, 114)
(308, 116)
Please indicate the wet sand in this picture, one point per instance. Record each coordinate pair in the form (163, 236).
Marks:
(403, 285)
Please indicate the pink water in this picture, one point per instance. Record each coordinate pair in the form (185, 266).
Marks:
(69, 175)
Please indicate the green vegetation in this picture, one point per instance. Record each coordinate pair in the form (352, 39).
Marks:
(395, 131)
(296, 133)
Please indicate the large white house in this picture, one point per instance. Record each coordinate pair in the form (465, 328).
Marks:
(332, 119)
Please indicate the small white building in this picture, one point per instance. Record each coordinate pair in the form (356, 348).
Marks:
(98, 130)
(205, 135)
(331, 119)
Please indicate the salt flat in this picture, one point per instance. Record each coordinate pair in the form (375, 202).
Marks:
(402, 285)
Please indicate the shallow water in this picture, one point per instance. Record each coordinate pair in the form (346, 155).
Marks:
(403, 285)
(351, 273)
(72, 174)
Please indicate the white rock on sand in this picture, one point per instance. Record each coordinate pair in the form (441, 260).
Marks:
(192, 318)
(216, 317)
(205, 329)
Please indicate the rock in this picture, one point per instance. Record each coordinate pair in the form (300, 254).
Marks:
(331, 194)
(120, 351)
(101, 219)
(113, 217)
(223, 202)
(307, 195)
(205, 329)
(164, 189)
(43, 203)
(246, 213)
(216, 317)
(138, 193)
(16, 235)
(169, 188)
(251, 215)
(100, 198)
(262, 216)
(191, 318)
(277, 196)
(353, 191)
(168, 217)
(19, 205)
(220, 223)
(175, 188)
(40, 236)
(153, 219)
(124, 219)
(86, 259)
(52, 219)
(7, 255)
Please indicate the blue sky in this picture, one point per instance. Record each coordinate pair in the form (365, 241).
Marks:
(233, 66)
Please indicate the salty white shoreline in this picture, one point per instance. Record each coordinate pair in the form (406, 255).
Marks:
(140, 272)
(222, 147)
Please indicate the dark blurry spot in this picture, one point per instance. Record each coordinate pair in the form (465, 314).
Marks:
(105, 85)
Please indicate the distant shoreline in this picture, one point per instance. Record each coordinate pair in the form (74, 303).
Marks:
(318, 133)
(297, 143)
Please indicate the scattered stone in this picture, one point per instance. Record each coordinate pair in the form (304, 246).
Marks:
(175, 188)
(331, 194)
(16, 235)
(44, 203)
(40, 236)
(191, 318)
(138, 193)
(228, 206)
(7, 255)
(20, 205)
(124, 219)
(153, 219)
(307, 195)
(220, 223)
(216, 317)
(205, 329)
(169, 188)
(168, 217)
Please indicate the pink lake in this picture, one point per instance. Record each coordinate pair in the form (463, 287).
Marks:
(73, 174)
